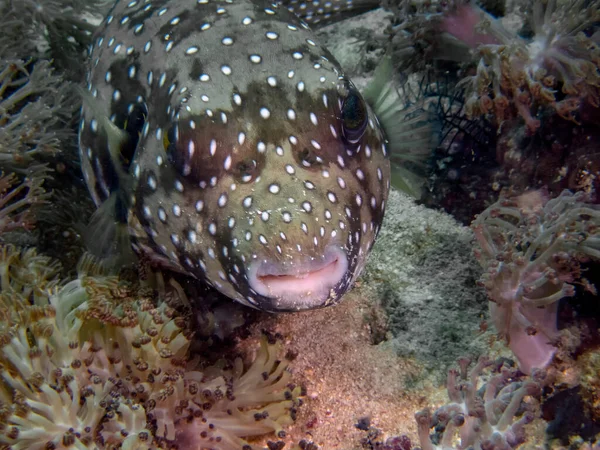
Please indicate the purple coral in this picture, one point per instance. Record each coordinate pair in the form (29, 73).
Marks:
(489, 419)
(532, 250)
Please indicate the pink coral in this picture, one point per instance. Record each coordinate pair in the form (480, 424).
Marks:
(493, 418)
(532, 254)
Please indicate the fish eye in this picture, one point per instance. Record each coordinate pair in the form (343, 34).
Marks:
(354, 116)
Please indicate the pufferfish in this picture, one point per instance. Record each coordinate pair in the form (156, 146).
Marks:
(234, 149)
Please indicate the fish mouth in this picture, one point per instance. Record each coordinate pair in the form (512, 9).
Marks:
(302, 284)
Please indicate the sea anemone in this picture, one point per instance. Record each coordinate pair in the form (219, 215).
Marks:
(96, 364)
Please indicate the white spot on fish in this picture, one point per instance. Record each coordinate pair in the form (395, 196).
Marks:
(265, 113)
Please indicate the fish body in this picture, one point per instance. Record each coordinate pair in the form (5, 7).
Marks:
(249, 159)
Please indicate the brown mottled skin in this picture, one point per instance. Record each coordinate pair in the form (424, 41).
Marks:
(256, 165)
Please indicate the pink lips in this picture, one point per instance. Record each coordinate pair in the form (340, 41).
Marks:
(301, 284)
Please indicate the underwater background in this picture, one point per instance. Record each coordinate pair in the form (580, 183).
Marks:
(473, 325)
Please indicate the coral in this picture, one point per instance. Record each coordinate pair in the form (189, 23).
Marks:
(461, 163)
(61, 224)
(559, 156)
(37, 146)
(590, 383)
(436, 33)
(305, 445)
(535, 90)
(375, 440)
(35, 109)
(559, 68)
(54, 29)
(532, 250)
(38, 112)
(96, 364)
(17, 199)
(490, 417)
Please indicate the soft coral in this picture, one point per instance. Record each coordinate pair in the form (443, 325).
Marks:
(559, 68)
(532, 252)
(490, 417)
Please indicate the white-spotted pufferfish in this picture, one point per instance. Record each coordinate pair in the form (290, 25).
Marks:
(234, 149)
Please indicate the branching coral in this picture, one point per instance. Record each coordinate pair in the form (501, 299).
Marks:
(34, 110)
(532, 249)
(17, 199)
(54, 29)
(490, 417)
(94, 364)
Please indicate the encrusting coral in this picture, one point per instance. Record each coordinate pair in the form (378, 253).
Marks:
(97, 364)
(532, 249)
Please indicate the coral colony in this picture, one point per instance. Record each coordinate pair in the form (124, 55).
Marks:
(483, 419)
(519, 107)
(557, 68)
(96, 364)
